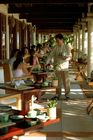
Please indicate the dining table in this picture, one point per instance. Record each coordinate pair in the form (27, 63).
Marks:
(18, 130)
(26, 93)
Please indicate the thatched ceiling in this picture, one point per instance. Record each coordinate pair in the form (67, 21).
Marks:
(50, 14)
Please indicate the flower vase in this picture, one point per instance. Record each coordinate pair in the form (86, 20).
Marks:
(55, 83)
(51, 113)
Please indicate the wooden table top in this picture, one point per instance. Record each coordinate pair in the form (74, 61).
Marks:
(31, 88)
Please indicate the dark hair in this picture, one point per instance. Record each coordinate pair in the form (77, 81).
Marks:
(31, 59)
(32, 52)
(33, 46)
(18, 60)
(45, 43)
(38, 47)
(14, 51)
(23, 50)
(59, 36)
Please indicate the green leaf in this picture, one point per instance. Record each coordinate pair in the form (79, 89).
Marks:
(51, 103)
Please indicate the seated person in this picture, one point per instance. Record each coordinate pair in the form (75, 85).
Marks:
(19, 67)
(13, 57)
(34, 61)
(26, 54)
(44, 51)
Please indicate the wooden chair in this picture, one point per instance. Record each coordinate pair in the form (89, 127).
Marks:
(7, 72)
(13, 100)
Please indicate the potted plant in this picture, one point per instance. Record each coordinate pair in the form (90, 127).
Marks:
(55, 81)
(51, 109)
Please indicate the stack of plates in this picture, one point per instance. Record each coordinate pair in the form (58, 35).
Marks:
(5, 108)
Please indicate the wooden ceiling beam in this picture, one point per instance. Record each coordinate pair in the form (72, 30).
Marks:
(50, 14)
(52, 20)
(46, 9)
(45, 31)
(53, 26)
(47, 2)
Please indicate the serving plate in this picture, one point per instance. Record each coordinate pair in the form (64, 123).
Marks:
(24, 87)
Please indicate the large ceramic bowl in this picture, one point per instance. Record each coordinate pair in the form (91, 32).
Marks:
(38, 111)
(33, 121)
(45, 84)
(32, 114)
(43, 117)
(4, 117)
(17, 118)
(3, 131)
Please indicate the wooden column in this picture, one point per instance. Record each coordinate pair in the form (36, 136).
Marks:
(90, 43)
(3, 54)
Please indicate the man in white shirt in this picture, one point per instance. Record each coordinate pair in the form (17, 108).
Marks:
(61, 55)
